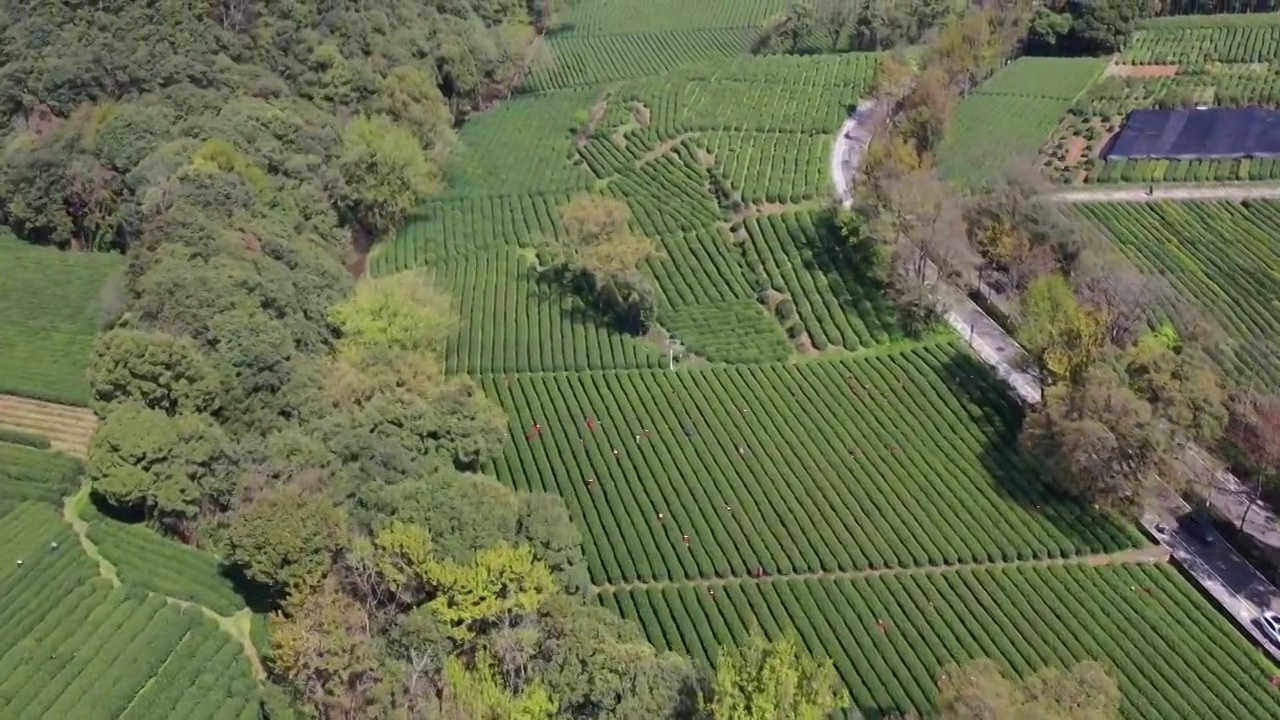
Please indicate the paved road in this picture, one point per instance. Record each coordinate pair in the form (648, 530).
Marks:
(1165, 191)
(1226, 576)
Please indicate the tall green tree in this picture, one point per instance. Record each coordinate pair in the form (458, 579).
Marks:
(761, 680)
(1099, 441)
(599, 257)
(980, 690)
(386, 170)
(167, 468)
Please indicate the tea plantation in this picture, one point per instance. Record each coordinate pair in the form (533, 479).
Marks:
(806, 468)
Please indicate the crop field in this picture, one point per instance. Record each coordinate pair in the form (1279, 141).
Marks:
(896, 460)
(577, 60)
(513, 323)
(1221, 256)
(760, 128)
(991, 132)
(889, 636)
(773, 167)
(1196, 40)
(52, 305)
(40, 475)
(833, 305)
(72, 646)
(1043, 77)
(146, 560)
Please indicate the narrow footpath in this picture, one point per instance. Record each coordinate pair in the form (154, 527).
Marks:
(1165, 191)
(1221, 571)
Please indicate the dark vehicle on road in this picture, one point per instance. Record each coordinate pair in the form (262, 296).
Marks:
(1199, 526)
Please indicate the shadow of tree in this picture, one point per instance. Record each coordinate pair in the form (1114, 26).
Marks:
(1015, 475)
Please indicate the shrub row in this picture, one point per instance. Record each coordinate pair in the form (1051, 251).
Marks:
(886, 461)
(890, 636)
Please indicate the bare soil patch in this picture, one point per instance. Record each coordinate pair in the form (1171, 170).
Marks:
(1076, 148)
(68, 428)
(1144, 71)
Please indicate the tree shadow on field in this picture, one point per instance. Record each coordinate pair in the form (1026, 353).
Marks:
(998, 415)
(257, 598)
(850, 275)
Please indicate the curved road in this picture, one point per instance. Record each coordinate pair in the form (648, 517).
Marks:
(1235, 584)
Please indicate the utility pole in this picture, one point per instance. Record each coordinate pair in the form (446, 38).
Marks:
(674, 346)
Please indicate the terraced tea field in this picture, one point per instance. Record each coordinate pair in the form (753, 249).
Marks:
(873, 479)
(1223, 258)
(903, 459)
(1197, 39)
(890, 635)
(74, 645)
(52, 306)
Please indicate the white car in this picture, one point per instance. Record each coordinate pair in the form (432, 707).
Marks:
(1270, 624)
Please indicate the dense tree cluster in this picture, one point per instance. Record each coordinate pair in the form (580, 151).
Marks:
(907, 224)
(843, 25)
(257, 401)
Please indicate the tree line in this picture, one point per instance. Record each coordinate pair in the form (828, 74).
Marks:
(1124, 359)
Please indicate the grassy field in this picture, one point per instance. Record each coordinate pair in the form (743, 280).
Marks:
(52, 305)
(1221, 256)
(1010, 116)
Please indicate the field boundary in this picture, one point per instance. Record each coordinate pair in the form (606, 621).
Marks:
(1137, 192)
(1146, 555)
(1134, 556)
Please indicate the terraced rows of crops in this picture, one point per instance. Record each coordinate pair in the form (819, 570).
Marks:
(512, 323)
(889, 636)
(38, 475)
(900, 460)
(523, 146)
(733, 331)
(795, 257)
(773, 167)
(1223, 257)
(590, 60)
(1197, 40)
(52, 305)
(700, 267)
(146, 560)
(71, 646)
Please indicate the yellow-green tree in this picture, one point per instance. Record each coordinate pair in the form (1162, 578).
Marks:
(761, 680)
(1064, 337)
(386, 171)
(477, 693)
(404, 312)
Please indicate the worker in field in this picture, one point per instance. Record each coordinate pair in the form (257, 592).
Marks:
(591, 423)
(661, 517)
(591, 482)
(688, 431)
(686, 539)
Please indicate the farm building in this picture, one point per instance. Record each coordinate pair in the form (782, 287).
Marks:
(1200, 133)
